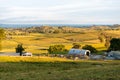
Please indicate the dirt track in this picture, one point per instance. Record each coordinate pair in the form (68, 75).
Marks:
(9, 54)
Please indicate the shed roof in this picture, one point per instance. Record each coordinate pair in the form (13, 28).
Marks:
(78, 51)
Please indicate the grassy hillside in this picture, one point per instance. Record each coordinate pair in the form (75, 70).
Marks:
(47, 68)
(34, 42)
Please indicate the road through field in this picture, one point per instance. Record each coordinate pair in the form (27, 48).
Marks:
(9, 54)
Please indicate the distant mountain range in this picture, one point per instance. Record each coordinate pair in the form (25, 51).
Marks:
(38, 25)
(56, 28)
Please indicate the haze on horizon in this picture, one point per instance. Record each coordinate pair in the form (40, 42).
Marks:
(60, 11)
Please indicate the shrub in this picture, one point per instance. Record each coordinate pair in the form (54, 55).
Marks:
(89, 47)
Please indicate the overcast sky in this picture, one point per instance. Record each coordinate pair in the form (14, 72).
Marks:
(60, 11)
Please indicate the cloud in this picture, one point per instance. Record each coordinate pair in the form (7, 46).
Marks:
(63, 11)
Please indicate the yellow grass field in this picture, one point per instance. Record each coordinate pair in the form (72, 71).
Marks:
(54, 68)
(35, 41)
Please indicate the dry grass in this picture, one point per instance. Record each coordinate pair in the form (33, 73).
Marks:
(46, 68)
(34, 41)
(31, 59)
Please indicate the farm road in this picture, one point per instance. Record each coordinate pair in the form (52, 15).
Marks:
(8, 54)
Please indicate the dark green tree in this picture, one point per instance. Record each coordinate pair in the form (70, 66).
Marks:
(57, 49)
(114, 44)
(2, 35)
(19, 49)
(89, 47)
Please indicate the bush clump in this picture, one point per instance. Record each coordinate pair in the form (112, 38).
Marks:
(57, 49)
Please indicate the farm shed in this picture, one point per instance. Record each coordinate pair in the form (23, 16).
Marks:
(79, 52)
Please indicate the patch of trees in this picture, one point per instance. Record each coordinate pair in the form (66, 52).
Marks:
(86, 47)
(57, 49)
(89, 47)
(114, 44)
(50, 29)
(65, 29)
(104, 37)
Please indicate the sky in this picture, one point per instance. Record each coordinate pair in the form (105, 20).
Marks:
(60, 11)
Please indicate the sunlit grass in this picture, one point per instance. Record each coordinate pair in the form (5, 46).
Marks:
(49, 68)
(34, 41)
(47, 59)
(46, 68)
(99, 46)
(31, 59)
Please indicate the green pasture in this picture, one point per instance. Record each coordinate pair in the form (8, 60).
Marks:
(44, 68)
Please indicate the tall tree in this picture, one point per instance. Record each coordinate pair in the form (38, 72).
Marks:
(20, 49)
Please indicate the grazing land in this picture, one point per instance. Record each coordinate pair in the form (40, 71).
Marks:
(46, 68)
(37, 39)
(54, 68)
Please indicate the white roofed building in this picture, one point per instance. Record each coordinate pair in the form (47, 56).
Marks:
(79, 52)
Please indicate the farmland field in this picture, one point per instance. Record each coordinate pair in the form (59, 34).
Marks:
(35, 41)
(49, 68)
(43, 68)
(59, 39)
